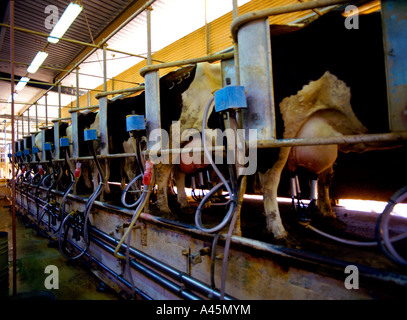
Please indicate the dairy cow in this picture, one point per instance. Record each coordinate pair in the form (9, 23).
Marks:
(183, 96)
(328, 81)
(88, 179)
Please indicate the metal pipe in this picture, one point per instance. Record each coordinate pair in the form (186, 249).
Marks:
(210, 58)
(59, 100)
(132, 54)
(13, 198)
(83, 108)
(106, 93)
(347, 139)
(169, 285)
(36, 116)
(149, 36)
(28, 120)
(46, 109)
(115, 275)
(104, 68)
(59, 119)
(25, 103)
(265, 13)
(187, 280)
(77, 86)
(47, 35)
(50, 84)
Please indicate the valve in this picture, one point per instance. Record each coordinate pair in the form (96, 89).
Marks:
(77, 172)
(148, 174)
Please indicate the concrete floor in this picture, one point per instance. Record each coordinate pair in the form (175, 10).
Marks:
(33, 256)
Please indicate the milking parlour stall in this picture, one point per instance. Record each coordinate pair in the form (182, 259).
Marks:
(204, 150)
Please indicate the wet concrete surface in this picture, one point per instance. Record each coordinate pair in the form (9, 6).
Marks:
(34, 254)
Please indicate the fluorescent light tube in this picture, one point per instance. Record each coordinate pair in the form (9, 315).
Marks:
(70, 14)
(21, 84)
(37, 62)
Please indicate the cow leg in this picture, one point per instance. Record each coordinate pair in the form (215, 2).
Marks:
(325, 212)
(162, 174)
(324, 202)
(179, 177)
(107, 176)
(237, 231)
(269, 182)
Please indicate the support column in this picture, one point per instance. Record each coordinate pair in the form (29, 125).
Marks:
(256, 76)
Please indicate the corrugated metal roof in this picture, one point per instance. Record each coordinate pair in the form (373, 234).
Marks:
(30, 14)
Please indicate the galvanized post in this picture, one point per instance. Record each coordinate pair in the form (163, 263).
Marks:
(28, 118)
(22, 125)
(36, 116)
(104, 134)
(56, 139)
(256, 76)
(75, 134)
(394, 18)
(32, 145)
(46, 110)
(43, 153)
(152, 91)
(59, 100)
(77, 87)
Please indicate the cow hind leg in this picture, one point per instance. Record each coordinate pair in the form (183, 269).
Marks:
(182, 199)
(162, 174)
(269, 182)
(325, 212)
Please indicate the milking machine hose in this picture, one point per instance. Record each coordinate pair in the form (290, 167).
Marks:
(353, 242)
(88, 206)
(144, 199)
(231, 214)
(135, 142)
(124, 193)
(198, 213)
(382, 235)
(382, 228)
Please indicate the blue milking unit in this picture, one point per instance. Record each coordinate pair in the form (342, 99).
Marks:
(135, 123)
(64, 142)
(90, 135)
(230, 98)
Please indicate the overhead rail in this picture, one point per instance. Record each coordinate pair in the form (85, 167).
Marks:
(101, 45)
